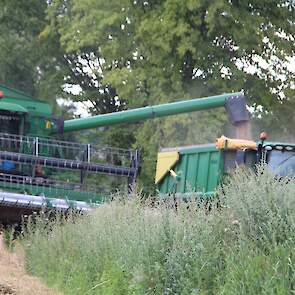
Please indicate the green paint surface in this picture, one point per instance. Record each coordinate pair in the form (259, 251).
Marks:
(199, 170)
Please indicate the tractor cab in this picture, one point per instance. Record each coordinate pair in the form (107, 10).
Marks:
(22, 114)
(280, 158)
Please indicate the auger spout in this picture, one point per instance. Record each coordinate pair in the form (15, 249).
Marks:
(233, 102)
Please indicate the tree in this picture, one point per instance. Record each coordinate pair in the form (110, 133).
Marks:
(33, 61)
(26, 62)
(154, 51)
(278, 122)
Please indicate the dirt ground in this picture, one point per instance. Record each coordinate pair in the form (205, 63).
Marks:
(13, 278)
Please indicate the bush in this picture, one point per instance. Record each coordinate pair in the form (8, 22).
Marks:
(131, 247)
(262, 205)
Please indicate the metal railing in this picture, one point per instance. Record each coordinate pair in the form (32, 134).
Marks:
(66, 150)
(38, 165)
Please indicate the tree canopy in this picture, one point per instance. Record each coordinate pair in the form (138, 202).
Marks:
(156, 48)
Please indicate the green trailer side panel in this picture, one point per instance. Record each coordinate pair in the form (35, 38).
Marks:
(199, 170)
(215, 170)
(182, 169)
(203, 171)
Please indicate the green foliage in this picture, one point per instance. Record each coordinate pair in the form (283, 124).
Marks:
(8, 237)
(27, 62)
(270, 221)
(154, 47)
(114, 280)
(157, 51)
(250, 271)
(19, 27)
(129, 247)
(279, 122)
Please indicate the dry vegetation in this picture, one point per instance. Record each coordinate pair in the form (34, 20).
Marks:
(13, 278)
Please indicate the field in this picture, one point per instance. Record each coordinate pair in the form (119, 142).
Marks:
(245, 245)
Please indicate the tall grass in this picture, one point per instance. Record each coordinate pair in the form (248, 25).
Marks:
(243, 246)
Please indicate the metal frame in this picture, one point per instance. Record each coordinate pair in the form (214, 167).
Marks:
(63, 155)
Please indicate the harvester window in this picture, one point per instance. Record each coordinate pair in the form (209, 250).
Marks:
(10, 123)
(282, 163)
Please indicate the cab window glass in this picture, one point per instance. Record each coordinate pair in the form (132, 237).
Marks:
(9, 123)
(282, 163)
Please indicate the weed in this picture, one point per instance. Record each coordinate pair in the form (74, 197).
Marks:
(130, 247)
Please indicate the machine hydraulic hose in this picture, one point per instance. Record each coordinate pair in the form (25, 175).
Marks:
(233, 102)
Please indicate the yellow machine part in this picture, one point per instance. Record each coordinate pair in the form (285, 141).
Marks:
(234, 144)
(47, 124)
(165, 161)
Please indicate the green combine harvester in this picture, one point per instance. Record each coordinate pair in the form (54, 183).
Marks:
(39, 170)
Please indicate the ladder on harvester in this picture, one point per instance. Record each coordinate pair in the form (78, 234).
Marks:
(59, 173)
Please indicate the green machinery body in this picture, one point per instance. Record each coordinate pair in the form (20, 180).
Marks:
(30, 116)
(36, 119)
(198, 170)
(37, 169)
